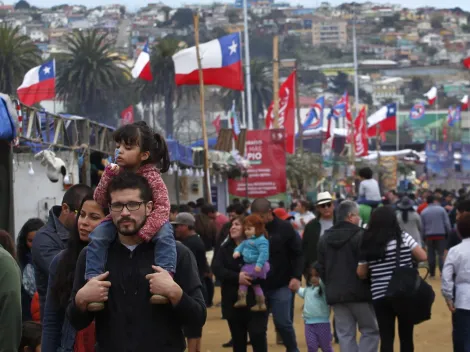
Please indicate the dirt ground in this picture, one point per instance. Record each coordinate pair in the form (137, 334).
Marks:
(431, 336)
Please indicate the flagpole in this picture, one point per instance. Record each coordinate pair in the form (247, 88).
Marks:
(356, 92)
(248, 66)
(398, 126)
(297, 108)
(243, 91)
(206, 178)
(230, 123)
(435, 116)
(276, 81)
(55, 74)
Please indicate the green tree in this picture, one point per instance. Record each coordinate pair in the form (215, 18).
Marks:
(17, 55)
(92, 76)
(163, 86)
(261, 92)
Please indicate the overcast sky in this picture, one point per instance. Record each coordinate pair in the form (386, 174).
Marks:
(464, 4)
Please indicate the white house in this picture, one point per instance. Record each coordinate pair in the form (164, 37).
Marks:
(38, 35)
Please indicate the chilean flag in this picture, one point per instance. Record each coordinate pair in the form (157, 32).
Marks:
(431, 95)
(38, 84)
(142, 68)
(464, 102)
(220, 62)
(385, 118)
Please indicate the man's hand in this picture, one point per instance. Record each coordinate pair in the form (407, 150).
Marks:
(161, 283)
(257, 269)
(450, 305)
(244, 279)
(95, 290)
(236, 255)
(294, 285)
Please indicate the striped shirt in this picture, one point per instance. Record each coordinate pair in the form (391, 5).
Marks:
(381, 270)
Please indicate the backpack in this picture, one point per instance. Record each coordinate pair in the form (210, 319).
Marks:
(7, 120)
(410, 295)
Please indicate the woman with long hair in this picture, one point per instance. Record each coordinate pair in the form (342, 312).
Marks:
(378, 252)
(409, 220)
(58, 334)
(241, 321)
(25, 260)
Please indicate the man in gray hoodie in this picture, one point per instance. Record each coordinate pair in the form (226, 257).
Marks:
(350, 297)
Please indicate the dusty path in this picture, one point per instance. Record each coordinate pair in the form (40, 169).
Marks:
(431, 336)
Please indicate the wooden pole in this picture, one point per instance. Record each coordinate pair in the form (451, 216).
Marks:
(276, 80)
(297, 107)
(207, 192)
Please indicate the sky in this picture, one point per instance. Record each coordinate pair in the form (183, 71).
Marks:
(464, 4)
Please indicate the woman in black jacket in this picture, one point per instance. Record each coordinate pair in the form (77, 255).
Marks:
(240, 320)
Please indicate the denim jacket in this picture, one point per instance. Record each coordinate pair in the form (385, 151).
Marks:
(57, 333)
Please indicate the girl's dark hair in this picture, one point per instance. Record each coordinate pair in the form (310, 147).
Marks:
(31, 336)
(383, 227)
(63, 282)
(140, 134)
(22, 250)
(404, 214)
(308, 276)
(366, 173)
(7, 243)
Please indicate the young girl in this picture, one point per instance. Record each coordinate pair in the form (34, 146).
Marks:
(316, 313)
(255, 253)
(139, 150)
(31, 337)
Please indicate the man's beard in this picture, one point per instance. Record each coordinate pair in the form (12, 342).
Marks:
(130, 232)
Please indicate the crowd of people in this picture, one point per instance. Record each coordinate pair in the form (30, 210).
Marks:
(118, 268)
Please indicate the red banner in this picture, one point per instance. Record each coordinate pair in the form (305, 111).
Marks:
(265, 149)
(127, 115)
(360, 133)
(286, 112)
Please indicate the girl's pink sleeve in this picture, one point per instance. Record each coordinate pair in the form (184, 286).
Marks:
(161, 204)
(101, 191)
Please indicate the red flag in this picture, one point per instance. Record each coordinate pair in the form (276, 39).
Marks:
(127, 115)
(328, 129)
(360, 133)
(217, 124)
(466, 62)
(286, 112)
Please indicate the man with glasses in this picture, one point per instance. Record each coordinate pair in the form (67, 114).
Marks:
(53, 237)
(129, 322)
(316, 228)
(350, 297)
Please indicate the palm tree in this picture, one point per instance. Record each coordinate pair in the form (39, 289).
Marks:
(17, 55)
(163, 85)
(261, 92)
(93, 76)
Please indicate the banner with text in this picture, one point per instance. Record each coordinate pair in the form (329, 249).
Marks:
(265, 149)
(439, 158)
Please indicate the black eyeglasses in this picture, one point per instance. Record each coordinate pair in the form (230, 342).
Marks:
(325, 205)
(131, 206)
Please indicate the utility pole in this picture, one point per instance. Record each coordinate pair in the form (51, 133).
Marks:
(276, 80)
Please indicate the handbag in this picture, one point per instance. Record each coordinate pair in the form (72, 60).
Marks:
(410, 295)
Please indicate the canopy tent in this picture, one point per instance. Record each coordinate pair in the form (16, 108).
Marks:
(180, 153)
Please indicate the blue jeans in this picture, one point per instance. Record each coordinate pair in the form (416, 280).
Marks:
(280, 303)
(105, 233)
(461, 319)
(371, 203)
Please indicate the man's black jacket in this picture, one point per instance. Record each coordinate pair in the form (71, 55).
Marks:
(129, 323)
(338, 257)
(285, 254)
